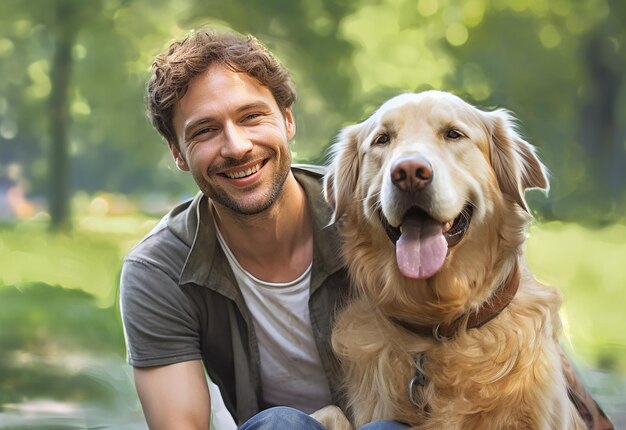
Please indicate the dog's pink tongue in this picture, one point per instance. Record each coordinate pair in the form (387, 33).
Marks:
(421, 249)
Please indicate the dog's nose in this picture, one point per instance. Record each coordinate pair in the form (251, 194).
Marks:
(411, 174)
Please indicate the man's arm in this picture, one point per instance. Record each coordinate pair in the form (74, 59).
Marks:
(175, 396)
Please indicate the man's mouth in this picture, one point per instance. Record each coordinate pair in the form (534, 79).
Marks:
(422, 243)
(243, 172)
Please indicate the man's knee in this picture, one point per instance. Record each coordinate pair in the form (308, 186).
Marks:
(281, 417)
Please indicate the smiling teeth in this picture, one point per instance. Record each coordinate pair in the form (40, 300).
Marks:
(244, 173)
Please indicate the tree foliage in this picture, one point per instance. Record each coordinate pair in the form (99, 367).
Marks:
(558, 65)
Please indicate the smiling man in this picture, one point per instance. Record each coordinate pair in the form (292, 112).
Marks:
(243, 280)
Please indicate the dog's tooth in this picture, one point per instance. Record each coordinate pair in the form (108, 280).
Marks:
(447, 226)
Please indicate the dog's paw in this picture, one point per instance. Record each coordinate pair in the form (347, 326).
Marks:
(332, 418)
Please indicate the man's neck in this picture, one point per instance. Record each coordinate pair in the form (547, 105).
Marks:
(275, 245)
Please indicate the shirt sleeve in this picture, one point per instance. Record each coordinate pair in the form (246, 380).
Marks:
(160, 325)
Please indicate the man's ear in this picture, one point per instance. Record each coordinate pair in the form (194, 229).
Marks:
(178, 157)
(290, 123)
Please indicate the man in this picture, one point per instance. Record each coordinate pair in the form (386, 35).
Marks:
(244, 280)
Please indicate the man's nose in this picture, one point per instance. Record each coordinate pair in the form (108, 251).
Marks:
(236, 142)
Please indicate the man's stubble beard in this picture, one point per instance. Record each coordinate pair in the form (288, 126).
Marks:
(223, 198)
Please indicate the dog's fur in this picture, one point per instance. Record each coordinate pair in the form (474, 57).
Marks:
(506, 374)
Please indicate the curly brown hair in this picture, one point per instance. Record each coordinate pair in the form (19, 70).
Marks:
(185, 59)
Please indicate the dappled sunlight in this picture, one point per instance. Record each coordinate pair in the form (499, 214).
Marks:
(40, 414)
(39, 407)
(394, 56)
(93, 252)
(34, 255)
(62, 361)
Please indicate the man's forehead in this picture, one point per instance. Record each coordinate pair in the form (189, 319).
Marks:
(219, 89)
(220, 81)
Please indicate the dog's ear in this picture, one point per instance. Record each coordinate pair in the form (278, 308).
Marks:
(343, 171)
(514, 160)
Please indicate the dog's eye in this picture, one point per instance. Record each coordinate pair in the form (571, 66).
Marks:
(454, 134)
(382, 139)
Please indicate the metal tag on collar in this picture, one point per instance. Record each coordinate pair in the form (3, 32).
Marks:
(418, 380)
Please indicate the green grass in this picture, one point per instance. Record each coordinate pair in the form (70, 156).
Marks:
(42, 330)
(589, 267)
(88, 259)
(60, 332)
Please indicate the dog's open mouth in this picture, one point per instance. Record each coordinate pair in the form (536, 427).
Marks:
(422, 243)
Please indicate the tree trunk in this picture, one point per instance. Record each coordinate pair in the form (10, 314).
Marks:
(602, 132)
(59, 119)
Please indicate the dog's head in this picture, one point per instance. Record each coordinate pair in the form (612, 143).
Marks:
(426, 169)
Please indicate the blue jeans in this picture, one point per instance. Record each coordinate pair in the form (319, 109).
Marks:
(284, 418)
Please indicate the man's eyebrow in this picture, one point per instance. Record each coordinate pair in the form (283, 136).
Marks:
(254, 105)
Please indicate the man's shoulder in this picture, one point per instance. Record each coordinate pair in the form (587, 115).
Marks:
(314, 170)
(167, 245)
(310, 176)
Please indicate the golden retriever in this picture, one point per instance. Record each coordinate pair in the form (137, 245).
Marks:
(448, 329)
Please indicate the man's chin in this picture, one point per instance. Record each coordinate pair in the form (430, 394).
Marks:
(243, 205)
(252, 200)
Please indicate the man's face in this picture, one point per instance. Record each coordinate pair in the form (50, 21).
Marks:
(234, 139)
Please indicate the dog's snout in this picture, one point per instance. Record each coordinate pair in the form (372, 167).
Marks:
(411, 174)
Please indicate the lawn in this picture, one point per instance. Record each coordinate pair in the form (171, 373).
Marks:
(62, 355)
(589, 267)
(61, 342)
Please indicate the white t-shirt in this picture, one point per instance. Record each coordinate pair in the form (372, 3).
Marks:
(291, 369)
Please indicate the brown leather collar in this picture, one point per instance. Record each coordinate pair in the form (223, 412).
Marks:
(489, 310)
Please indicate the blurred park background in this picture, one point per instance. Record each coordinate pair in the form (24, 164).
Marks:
(83, 176)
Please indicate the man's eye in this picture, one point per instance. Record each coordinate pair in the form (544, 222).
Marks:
(382, 139)
(454, 134)
(202, 131)
(252, 116)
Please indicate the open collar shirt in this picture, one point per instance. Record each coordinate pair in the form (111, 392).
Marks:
(180, 300)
